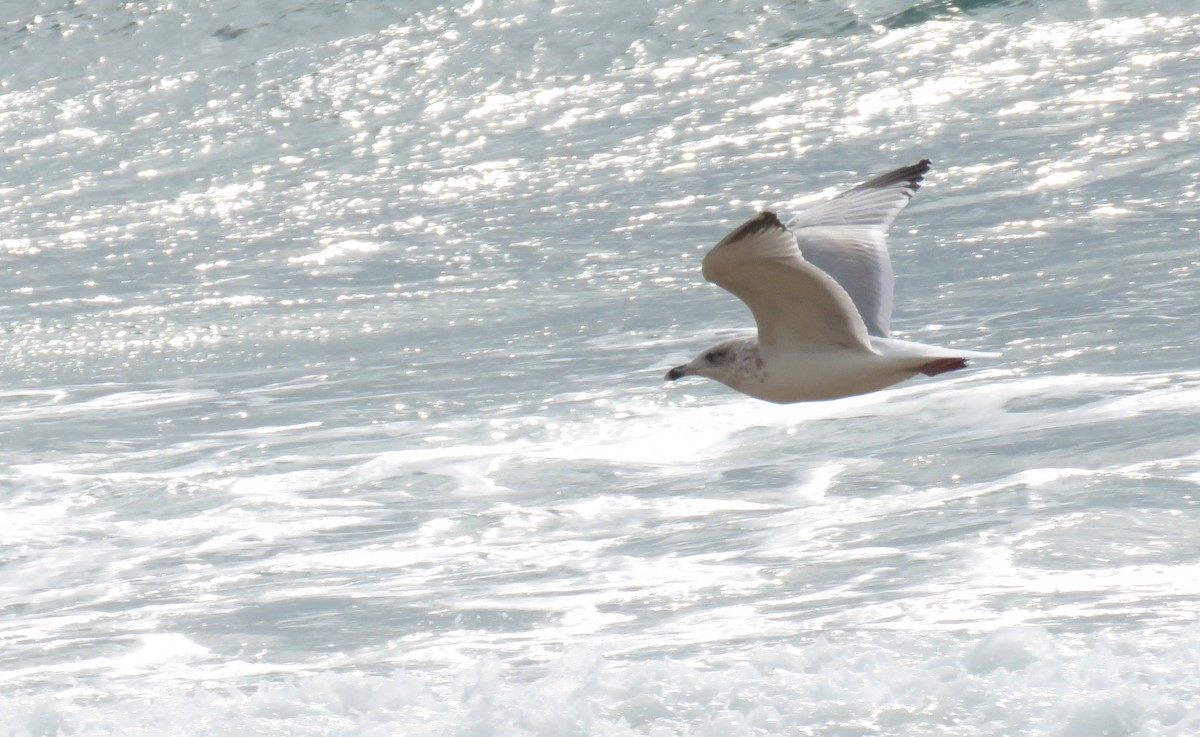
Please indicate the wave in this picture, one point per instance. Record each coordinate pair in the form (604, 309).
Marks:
(1014, 679)
(53, 40)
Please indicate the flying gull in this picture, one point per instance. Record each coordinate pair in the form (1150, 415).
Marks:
(820, 289)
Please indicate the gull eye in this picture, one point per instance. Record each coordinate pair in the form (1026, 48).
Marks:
(715, 356)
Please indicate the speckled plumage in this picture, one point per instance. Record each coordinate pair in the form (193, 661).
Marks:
(814, 341)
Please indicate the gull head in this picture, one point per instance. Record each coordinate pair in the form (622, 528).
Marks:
(730, 362)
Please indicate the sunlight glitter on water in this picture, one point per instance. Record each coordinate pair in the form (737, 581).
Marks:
(335, 343)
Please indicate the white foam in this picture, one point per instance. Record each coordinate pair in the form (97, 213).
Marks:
(1009, 681)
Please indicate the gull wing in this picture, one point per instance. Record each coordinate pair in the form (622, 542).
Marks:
(846, 238)
(792, 300)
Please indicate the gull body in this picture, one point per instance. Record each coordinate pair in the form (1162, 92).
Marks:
(820, 289)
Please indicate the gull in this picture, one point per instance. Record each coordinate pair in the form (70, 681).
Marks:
(820, 290)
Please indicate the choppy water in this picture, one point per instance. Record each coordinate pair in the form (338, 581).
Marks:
(333, 338)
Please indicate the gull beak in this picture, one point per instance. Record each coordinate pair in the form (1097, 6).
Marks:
(677, 373)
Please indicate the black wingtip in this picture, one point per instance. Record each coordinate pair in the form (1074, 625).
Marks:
(763, 221)
(912, 175)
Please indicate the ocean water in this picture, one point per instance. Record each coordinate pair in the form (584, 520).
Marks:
(333, 336)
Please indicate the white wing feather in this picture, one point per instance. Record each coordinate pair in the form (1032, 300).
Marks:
(846, 237)
(792, 300)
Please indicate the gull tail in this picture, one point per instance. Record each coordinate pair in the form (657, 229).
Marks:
(942, 365)
(930, 360)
